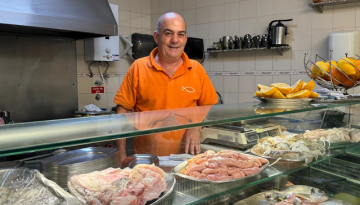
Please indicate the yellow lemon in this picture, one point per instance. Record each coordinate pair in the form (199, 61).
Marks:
(314, 95)
(278, 94)
(282, 87)
(258, 94)
(268, 91)
(320, 69)
(259, 86)
(346, 67)
(300, 94)
(297, 86)
(308, 86)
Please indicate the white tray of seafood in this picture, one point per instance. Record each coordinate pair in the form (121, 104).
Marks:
(289, 148)
(296, 194)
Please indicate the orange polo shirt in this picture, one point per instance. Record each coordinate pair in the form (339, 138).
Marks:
(147, 86)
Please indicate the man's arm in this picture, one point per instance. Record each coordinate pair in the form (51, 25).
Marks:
(121, 143)
(191, 140)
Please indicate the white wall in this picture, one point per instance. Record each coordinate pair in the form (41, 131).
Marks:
(212, 19)
(134, 16)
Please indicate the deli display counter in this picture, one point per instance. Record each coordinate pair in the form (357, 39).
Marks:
(333, 168)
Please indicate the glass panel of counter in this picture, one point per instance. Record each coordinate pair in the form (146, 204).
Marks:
(46, 135)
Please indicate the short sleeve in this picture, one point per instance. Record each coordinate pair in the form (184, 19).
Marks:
(126, 95)
(208, 94)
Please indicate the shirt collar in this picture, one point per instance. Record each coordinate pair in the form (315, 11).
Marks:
(152, 63)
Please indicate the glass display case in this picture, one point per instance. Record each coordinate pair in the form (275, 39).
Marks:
(335, 170)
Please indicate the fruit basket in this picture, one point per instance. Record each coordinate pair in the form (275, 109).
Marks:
(341, 75)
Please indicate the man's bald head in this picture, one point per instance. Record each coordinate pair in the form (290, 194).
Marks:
(168, 16)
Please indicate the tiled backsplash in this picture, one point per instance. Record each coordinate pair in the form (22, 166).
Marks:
(212, 19)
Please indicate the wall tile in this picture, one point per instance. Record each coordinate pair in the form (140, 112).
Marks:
(302, 21)
(206, 63)
(232, 11)
(265, 80)
(216, 30)
(191, 31)
(215, 2)
(145, 7)
(189, 4)
(217, 13)
(176, 5)
(135, 21)
(247, 84)
(295, 78)
(265, 7)
(124, 18)
(85, 99)
(113, 2)
(82, 65)
(231, 28)
(302, 5)
(124, 5)
(247, 26)
(110, 100)
(248, 61)
(218, 82)
(135, 6)
(284, 16)
(298, 59)
(124, 30)
(322, 53)
(217, 64)
(320, 39)
(246, 97)
(344, 16)
(301, 40)
(282, 62)
(282, 79)
(323, 20)
(231, 62)
(248, 9)
(80, 47)
(231, 84)
(357, 19)
(145, 21)
(231, 98)
(202, 3)
(103, 102)
(164, 6)
(125, 64)
(190, 16)
(112, 84)
(283, 6)
(262, 23)
(228, 1)
(202, 31)
(154, 6)
(84, 84)
(154, 19)
(264, 60)
(202, 15)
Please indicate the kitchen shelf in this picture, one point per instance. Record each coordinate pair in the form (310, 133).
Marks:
(320, 5)
(280, 50)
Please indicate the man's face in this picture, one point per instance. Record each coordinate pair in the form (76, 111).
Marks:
(172, 37)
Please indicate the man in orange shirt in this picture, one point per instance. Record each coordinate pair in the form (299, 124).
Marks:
(166, 79)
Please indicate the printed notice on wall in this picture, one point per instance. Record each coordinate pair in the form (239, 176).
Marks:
(95, 90)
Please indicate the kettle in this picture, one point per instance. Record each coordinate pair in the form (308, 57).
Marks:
(277, 33)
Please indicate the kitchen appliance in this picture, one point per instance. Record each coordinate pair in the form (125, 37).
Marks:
(234, 135)
(78, 19)
(264, 41)
(257, 41)
(344, 42)
(278, 33)
(194, 48)
(103, 48)
(247, 41)
(237, 42)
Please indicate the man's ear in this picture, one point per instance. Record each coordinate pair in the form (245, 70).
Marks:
(156, 35)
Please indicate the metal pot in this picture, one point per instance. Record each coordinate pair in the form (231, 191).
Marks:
(278, 33)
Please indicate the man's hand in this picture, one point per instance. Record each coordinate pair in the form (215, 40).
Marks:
(191, 140)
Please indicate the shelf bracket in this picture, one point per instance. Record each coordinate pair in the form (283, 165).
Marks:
(129, 45)
(320, 8)
(215, 55)
(280, 51)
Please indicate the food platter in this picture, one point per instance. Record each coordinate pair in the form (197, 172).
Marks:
(274, 158)
(170, 184)
(287, 101)
(178, 170)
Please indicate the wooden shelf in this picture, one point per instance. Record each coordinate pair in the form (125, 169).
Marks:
(320, 5)
(280, 50)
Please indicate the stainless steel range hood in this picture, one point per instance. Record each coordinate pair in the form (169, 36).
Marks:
(76, 19)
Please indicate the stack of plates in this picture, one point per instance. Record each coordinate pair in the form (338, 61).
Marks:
(59, 168)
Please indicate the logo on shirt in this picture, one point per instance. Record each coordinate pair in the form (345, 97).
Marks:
(188, 89)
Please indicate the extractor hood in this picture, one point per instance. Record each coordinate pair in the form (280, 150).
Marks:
(76, 19)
